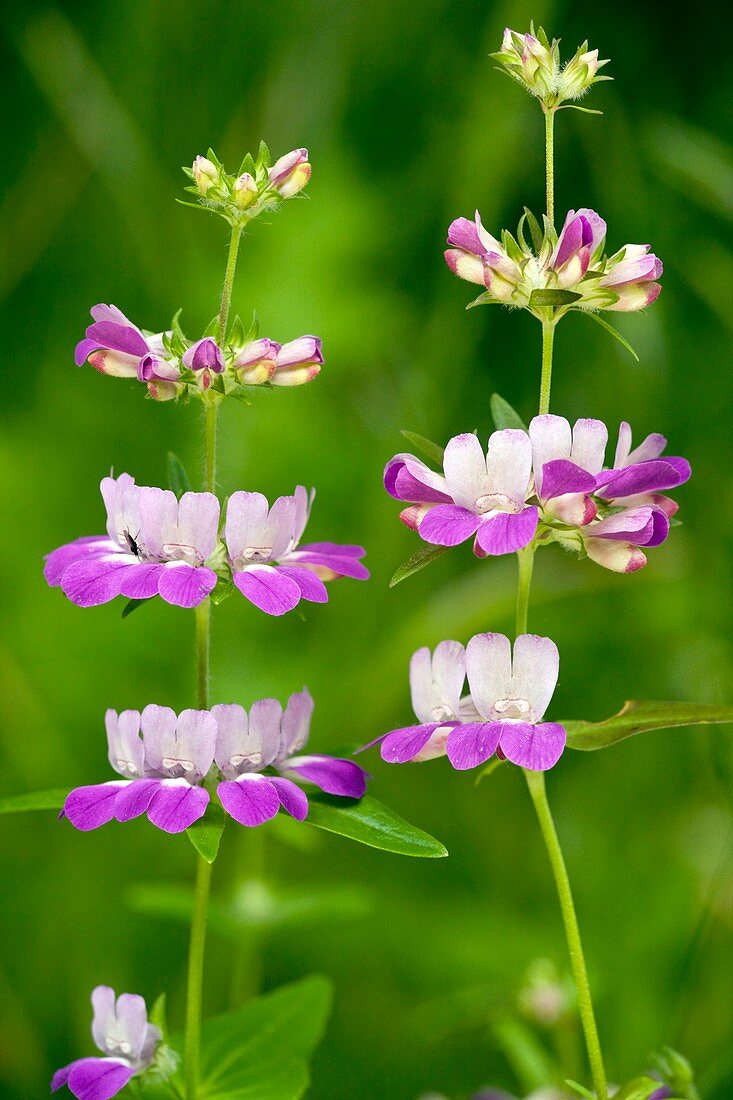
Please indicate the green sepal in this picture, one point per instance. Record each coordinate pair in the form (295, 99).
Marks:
(263, 157)
(431, 450)
(370, 822)
(254, 329)
(640, 1088)
(34, 800)
(504, 416)
(236, 337)
(177, 477)
(422, 557)
(540, 298)
(643, 717)
(132, 605)
(212, 329)
(247, 165)
(205, 833)
(221, 591)
(535, 231)
(485, 299)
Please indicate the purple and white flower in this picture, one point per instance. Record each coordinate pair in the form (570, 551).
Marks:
(113, 345)
(155, 545)
(479, 495)
(573, 261)
(256, 362)
(269, 736)
(639, 476)
(268, 566)
(289, 175)
(566, 463)
(509, 694)
(204, 358)
(121, 1031)
(298, 361)
(163, 759)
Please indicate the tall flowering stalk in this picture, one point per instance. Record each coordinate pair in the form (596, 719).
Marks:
(530, 487)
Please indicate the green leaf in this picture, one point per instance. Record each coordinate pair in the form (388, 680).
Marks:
(205, 833)
(641, 1088)
(643, 717)
(222, 591)
(236, 333)
(260, 1051)
(264, 159)
(157, 1014)
(431, 450)
(616, 335)
(177, 476)
(581, 1090)
(35, 800)
(484, 299)
(370, 822)
(132, 605)
(504, 416)
(422, 557)
(534, 228)
(552, 298)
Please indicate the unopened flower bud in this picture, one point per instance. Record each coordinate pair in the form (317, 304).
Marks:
(290, 173)
(298, 362)
(205, 174)
(245, 191)
(256, 362)
(579, 74)
(204, 357)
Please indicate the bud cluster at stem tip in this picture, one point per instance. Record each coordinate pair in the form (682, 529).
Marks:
(534, 62)
(259, 185)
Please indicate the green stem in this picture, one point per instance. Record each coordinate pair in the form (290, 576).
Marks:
(525, 566)
(548, 340)
(550, 163)
(536, 784)
(197, 942)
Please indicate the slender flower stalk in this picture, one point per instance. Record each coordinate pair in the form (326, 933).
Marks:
(550, 162)
(536, 779)
(197, 942)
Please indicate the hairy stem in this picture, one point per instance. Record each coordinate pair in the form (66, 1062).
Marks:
(548, 340)
(525, 566)
(550, 163)
(197, 942)
(536, 784)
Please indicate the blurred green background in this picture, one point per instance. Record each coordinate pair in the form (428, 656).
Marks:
(408, 127)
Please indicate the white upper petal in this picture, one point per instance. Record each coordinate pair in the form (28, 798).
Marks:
(551, 439)
(436, 681)
(509, 463)
(589, 444)
(534, 671)
(623, 447)
(245, 522)
(464, 465)
(296, 722)
(489, 670)
(126, 752)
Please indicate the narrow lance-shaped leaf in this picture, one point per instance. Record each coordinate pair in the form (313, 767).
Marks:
(132, 605)
(370, 822)
(553, 298)
(177, 477)
(643, 717)
(431, 450)
(35, 800)
(613, 332)
(422, 557)
(205, 833)
(504, 416)
(534, 228)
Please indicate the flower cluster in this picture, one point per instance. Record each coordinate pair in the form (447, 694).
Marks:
(165, 759)
(258, 186)
(171, 366)
(573, 262)
(158, 545)
(509, 694)
(544, 484)
(534, 62)
(120, 1029)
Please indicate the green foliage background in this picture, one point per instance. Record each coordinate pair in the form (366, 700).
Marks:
(408, 127)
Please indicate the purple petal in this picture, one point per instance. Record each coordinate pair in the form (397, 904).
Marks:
(83, 350)
(89, 807)
(250, 800)
(575, 233)
(176, 805)
(534, 747)
(343, 561)
(185, 586)
(140, 582)
(98, 1078)
(636, 525)
(645, 477)
(402, 745)
(96, 580)
(332, 774)
(407, 478)
(92, 546)
(660, 528)
(311, 586)
(561, 476)
(463, 234)
(135, 798)
(265, 587)
(506, 532)
(448, 525)
(472, 744)
(125, 338)
(292, 799)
